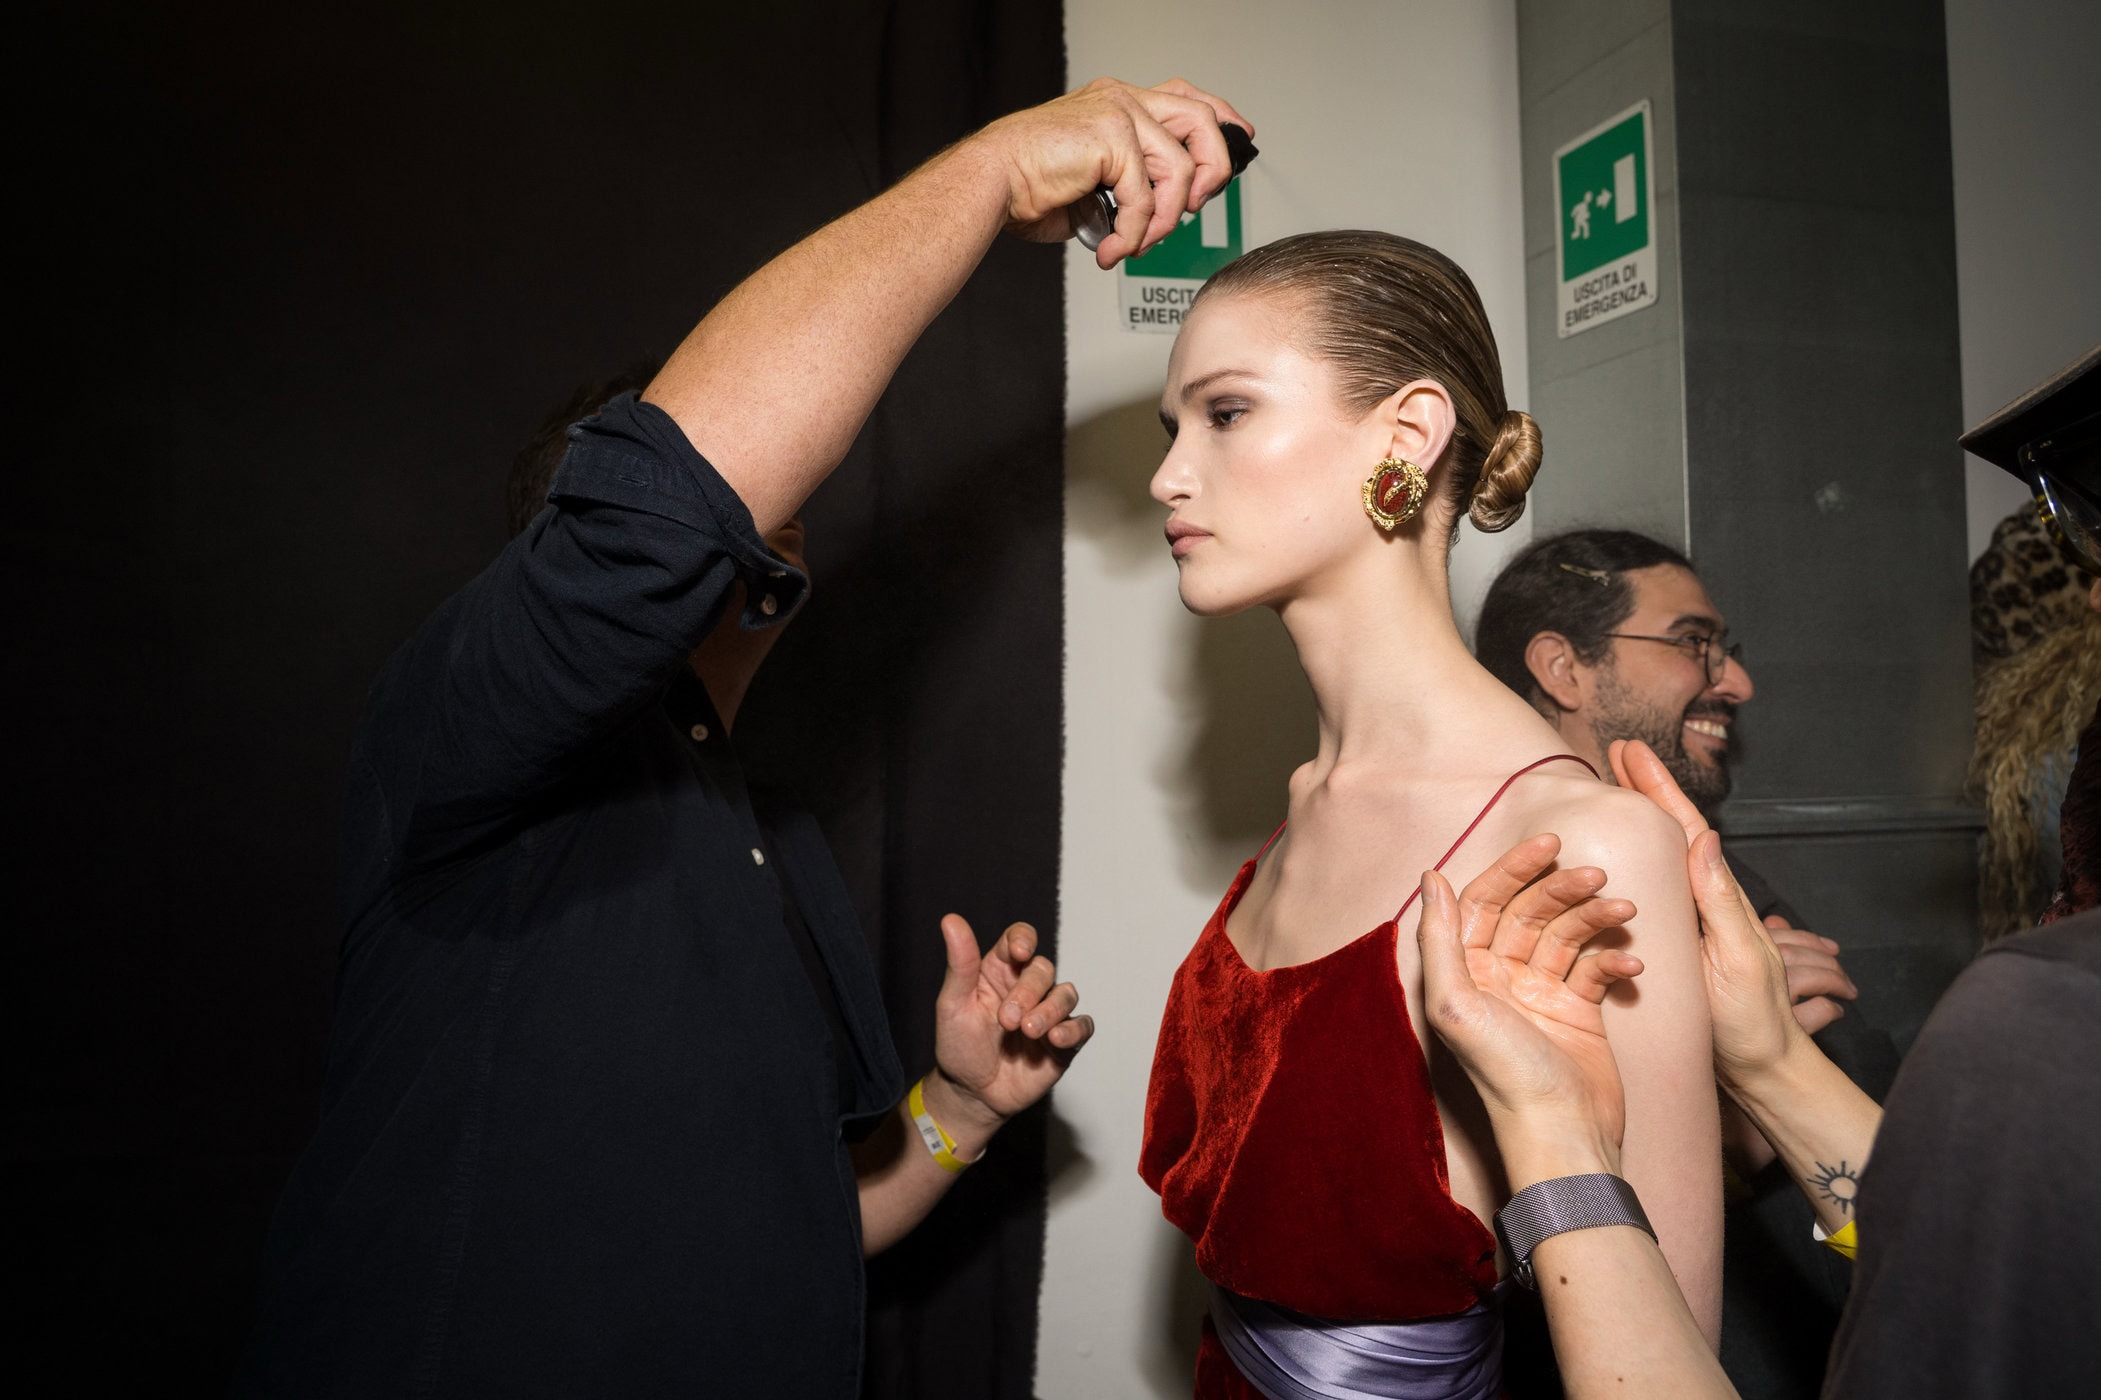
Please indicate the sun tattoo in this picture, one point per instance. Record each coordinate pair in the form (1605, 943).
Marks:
(1838, 1185)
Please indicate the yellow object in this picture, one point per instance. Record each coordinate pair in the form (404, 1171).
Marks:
(1846, 1241)
(936, 1138)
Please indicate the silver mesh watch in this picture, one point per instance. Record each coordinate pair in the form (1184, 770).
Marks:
(1548, 1208)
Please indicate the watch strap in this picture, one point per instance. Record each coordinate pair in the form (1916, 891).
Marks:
(1554, 1207)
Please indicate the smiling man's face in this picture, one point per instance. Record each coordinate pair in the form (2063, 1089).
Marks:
(1660, 693)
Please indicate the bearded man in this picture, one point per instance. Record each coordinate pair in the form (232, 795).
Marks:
(1611, 635)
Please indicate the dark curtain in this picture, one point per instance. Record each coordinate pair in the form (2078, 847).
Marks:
(300, 283)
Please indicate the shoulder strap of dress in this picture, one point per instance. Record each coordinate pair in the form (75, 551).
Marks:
(1482, 816)
(1272, 838)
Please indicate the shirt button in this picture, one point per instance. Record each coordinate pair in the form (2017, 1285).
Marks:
(758, 857)
(700, 733)
(769, 605)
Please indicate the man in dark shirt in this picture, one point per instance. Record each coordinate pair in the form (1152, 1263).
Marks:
(1612, 636)
(602, 1024)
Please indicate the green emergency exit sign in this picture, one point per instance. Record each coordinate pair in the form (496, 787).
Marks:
(1605, 240)
(1155, 288)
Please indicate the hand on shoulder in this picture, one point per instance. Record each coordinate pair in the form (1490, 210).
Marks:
(1639, 846)
(1744, 973)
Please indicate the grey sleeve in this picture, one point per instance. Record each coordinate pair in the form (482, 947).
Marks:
(1980, 1212)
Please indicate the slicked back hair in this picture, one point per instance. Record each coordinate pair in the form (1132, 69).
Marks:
(1572, 583)
(1386, 311)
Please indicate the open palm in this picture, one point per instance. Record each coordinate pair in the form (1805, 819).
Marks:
(1509, 987)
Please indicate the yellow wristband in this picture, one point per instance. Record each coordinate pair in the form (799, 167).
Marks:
(937, 1140)
(1846, 1241)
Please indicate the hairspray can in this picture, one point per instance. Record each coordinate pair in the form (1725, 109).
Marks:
(1094, 216)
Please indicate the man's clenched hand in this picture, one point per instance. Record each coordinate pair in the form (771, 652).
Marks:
(1158, 148)
(1815, 981)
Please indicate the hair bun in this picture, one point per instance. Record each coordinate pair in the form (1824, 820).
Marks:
(1513, 460)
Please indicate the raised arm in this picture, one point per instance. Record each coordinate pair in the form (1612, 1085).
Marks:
(663, 504)
(775, 383)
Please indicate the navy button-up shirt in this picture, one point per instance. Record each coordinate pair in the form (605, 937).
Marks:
(582, 1127)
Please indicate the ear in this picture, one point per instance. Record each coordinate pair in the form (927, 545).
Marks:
(1419, 419)
(1551, 659)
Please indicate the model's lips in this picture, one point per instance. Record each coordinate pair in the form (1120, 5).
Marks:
(1183, 537)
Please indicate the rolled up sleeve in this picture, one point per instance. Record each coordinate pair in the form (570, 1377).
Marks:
(574, 628)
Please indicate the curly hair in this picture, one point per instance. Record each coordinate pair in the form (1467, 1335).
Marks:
(2036, 647)
(2030, 707)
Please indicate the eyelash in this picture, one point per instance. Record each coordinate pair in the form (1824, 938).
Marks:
(1213, 417)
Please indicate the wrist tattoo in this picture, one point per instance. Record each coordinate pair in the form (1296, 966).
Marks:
(1838, 1185)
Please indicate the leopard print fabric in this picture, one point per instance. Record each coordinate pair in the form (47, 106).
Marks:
(2021, 589)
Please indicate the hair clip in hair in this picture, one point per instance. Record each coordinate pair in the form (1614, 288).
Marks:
(1597, 576)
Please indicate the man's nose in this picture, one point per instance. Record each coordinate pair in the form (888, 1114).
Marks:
(1735, 682)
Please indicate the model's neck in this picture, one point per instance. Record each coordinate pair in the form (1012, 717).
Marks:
(1392, 679)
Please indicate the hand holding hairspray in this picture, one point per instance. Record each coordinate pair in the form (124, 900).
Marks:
(1094, 216)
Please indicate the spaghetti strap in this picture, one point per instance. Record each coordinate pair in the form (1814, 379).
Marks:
(1483, 816)
(1272, 838)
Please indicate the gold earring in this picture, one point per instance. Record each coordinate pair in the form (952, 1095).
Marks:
(1385, 488)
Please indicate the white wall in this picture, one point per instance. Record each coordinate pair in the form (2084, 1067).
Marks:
(2024, 97)
(1392, 114)
(1396, 114)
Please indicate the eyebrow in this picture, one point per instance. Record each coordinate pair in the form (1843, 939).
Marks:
(1706, 620)
(1197, 386)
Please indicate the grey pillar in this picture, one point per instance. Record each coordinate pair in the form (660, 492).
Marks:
(1786, 410)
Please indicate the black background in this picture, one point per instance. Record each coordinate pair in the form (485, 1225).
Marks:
(297, 285)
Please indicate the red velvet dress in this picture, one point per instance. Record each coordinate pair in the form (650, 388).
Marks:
(1291, 1132)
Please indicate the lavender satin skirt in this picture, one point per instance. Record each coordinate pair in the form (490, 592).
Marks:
(1289, 1356)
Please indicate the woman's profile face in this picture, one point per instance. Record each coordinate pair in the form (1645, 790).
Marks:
(1264, 465)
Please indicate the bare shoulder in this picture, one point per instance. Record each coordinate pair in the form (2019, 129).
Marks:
(1594, 819)
(1639, 846)
(1597, 821)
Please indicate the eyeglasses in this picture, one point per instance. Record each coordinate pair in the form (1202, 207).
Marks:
(1714, 653)
(2061, 470)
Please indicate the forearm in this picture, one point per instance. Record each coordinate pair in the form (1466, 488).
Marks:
(774, 383)
(900, 1182)
(1661, 1037)
(1681, 1190)
(1820, 1123)
(1619, 1321)
(1672, 1149)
